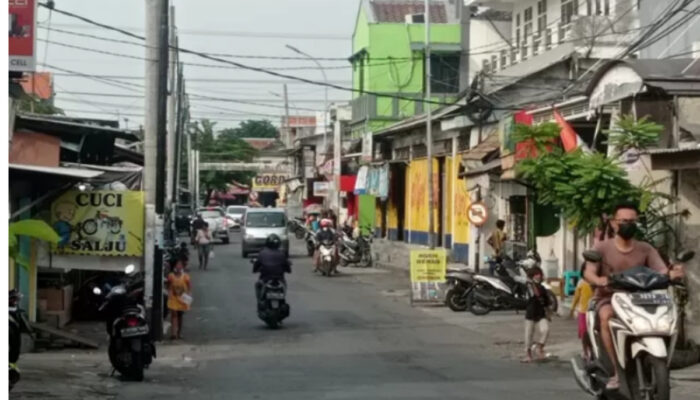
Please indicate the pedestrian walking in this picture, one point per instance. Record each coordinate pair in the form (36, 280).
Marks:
(197, 224)
(179, 298)
(582, 298)
(203, 240)
(537, 315)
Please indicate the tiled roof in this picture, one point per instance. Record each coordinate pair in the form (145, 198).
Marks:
(260, 143)
(396, 11)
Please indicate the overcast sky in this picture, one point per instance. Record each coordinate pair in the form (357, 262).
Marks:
(322, 28)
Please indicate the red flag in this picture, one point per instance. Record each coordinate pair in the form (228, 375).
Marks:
(570, 140)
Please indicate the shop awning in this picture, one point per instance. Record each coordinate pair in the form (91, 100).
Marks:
(675, 158)
(79, 173)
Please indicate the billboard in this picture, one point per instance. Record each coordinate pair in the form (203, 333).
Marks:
(99, 223)
(428, 269)
(22, 35)
(269, 181)
(322, 188)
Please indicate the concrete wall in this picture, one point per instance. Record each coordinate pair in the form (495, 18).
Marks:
(35, 149)
(689, 191)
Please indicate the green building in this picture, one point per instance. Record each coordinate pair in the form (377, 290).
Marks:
(389, 58)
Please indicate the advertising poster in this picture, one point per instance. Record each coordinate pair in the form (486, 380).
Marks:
(22, 35)
(99, 223)
(268, 182)
(428, 269)
(321, 188)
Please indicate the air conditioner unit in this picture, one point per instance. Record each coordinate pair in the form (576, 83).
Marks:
(415, 18)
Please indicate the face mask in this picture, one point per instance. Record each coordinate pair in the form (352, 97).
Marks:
(627, 230)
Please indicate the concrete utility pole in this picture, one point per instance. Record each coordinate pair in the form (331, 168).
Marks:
(336, 161)
(179, 129)
(464, 13)
(429, 129)
(287, 127)
(154, 150)
(172, 116)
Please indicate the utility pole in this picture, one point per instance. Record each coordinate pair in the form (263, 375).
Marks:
(287, 125)
(429, 129)
(336, 161)
(179, 129)
(154, 150)
(172, 117)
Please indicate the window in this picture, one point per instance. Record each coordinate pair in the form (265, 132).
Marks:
(541, 17)
(494, 62)
(598, 9)
(606, 10)
(504, 58)
(444, 73)
(569, 9)
(485, 65)
(265, 220)
(527, 23)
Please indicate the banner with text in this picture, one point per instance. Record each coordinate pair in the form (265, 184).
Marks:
(22, 35)
(269, 182)
(428, 269)
(99, 223)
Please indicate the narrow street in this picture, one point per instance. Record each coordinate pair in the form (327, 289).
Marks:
(344, 339)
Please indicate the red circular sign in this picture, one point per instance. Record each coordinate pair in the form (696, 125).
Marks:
(478, 214)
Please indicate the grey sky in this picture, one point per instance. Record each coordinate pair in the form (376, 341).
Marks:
(244, 27)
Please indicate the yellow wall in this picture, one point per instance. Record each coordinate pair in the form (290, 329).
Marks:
(392, 214)
(449, 179)
(378, 214)
(462, 200)
(417, 196)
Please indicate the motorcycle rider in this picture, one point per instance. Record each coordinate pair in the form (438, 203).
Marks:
(271, 264)
(620, 253)
(325, 233)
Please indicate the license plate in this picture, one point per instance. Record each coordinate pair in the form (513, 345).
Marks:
(275, 295)
(650, 299)
(134, 331)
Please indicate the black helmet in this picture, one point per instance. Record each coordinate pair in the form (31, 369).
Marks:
(273, 242)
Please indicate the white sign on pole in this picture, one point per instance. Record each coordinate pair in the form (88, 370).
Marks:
(367, 146)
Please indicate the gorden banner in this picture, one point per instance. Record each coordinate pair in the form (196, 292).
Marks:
(269, 182)
(428, 269)
(99, 223)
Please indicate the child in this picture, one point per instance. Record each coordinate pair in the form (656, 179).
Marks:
(582, 296)
(203, 240)
(178, 285)
(536, 314)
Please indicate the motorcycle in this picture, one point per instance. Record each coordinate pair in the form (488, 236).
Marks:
(272, 304)
(311, 242)
(18, 324)
(326, 262)
(644, 330)
(355, 251)
(298, 227)
(460, 283)
(508, 289)
(130, 346)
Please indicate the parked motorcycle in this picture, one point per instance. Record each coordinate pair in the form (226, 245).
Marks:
(130, 346)
(644, 330)
(327, 262)
(460, 283)
(311, 242)
(508, 289)
(18, 324)
(297, 226)
(355, 251)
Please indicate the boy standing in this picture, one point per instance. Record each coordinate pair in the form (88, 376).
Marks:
(536, 314)
(582, 296)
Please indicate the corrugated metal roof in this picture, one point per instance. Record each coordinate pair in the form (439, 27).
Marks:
(689, 150)
(395, 11)
(483, 149)
(81, 173)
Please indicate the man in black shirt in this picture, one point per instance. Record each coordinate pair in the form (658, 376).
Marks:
(271, 263)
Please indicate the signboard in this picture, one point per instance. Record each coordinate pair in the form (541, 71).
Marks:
(300, 121)
(99, 223)
(22, 35)
(269, 181)
(428, 269)
(322, 188)
(366, 147)
(478, 214)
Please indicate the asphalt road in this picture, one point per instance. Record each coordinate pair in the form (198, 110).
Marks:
(348, 337)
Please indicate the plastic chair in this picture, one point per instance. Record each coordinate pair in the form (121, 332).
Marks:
(571, 279)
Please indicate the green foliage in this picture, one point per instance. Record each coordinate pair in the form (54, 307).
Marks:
(542, 134)
(630, 134)
(36, 105)
(222, 146)
(252, 129)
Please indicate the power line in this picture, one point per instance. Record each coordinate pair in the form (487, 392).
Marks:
(127, 114)
(135, 96)
(70, 73)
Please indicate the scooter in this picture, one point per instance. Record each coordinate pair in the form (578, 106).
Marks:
(272, 303)
(326, 262)
(130, 346)
(311, 242)
(18, 324)
(644, 330)
(460, 283)
(355, 251)
(507, 290)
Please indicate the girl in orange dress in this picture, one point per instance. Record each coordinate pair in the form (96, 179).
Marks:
(179, 299)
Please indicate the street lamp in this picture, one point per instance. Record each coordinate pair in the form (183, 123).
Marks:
(325, 105)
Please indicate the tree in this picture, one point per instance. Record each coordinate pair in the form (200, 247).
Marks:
(220, 147)
(252, 129)
(36, 105)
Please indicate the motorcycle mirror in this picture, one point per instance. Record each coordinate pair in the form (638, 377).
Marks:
(685, 256)
(593, 256)
(130, 269)
(96, 291)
